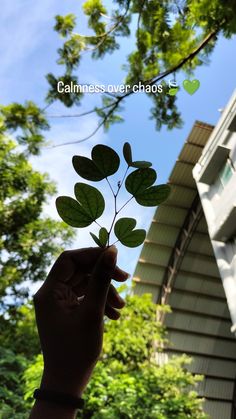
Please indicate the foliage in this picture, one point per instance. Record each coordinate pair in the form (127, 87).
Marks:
(11, 391)
(32, 378)
(127, 381)
(89, 204)
(165, 37)
(29, 119)
(18, 331)
(28, 242)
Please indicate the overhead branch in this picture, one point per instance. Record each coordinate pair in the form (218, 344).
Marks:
(100, 124)
(112, 28)
(152, 81)
(80, 115)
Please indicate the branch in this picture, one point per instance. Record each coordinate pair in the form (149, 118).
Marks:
(192, 55)
(177, 67)
(138, 23)
(179, 9)
(101, 123)
(79, 115)
(105, 34)
(111, 30)
(161, 76)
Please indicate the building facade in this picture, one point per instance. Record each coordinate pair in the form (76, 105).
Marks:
(188, 260)
(215, 176)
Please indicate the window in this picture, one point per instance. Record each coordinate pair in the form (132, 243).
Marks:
(226, 173)
(223, 177)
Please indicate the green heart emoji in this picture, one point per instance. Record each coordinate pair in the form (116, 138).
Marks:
(191, 86)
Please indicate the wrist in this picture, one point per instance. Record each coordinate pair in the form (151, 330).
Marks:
(64, 383)
(44, 409)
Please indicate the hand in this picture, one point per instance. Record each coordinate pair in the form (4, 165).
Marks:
(70, 308)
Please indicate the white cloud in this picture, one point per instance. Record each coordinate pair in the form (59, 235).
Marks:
(26, 30)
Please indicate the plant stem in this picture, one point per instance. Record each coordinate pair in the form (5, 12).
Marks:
(111, 188)
(120, 186)
(115, 201)
(99, 225)
(130, 199)
(113, 244)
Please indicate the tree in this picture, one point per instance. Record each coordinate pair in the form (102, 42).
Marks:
(12, 366)
(127, 381)
(28, 243)
(167, 36)
(29, 240)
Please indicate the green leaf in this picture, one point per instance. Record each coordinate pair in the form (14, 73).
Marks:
(153, 196)
(106, 159)
(72, 213)
(87, 169)
(141, 164)
(124, 231)
(139, 180)
(127, 153)
(103, 236)
(96, 239)
(173, 91)
(90, 199)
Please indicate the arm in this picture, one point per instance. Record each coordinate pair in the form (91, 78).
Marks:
(44, 410)
(70, 308)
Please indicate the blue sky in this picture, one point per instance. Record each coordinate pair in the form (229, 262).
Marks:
(28, 47)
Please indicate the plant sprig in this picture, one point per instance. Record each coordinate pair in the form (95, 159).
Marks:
(89, 203)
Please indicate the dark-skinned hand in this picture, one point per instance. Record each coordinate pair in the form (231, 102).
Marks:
(70, 308)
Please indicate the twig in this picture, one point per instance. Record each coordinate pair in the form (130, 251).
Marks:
(101, 123)
(123, 206)
(79, 115)
(121, 183)
(138, 23)
(112, 29)
(111, 188)
(99, 225)
(161, 76)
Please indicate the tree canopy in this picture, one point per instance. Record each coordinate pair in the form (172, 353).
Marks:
(165, 37)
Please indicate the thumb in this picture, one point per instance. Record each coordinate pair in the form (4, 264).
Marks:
(98, 287)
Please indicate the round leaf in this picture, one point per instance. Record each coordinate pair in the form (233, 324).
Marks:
(139, 180)
(87, 169)
(127, 153)
(135, 238)
(103, 236)
(124, 226)
(124, 231)
(71, 212)
(141, 164)
(90, 199)
(106, 159)
(153, 196)
(96, 239)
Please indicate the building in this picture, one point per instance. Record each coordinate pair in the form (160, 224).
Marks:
(188, 260)
(215, 176)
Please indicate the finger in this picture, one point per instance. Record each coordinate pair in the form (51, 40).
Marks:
(114, 299)
(120, 275)
(98, 286)
(79, 280)
(112, 313)
(71, 260)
